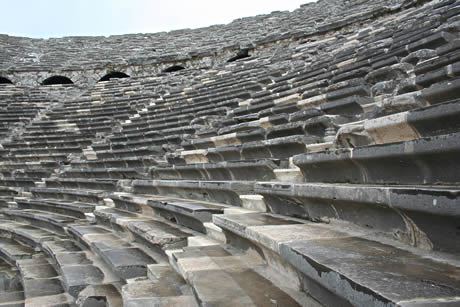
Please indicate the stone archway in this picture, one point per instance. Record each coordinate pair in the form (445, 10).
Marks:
(114, 74)
(57, 80)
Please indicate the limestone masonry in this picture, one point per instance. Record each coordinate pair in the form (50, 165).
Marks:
(305, 158)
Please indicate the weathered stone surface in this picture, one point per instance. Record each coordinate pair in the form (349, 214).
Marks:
(322, 143)
(126, 262)
(77, 277)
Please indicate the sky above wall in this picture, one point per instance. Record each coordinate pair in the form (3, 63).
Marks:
(58, 18)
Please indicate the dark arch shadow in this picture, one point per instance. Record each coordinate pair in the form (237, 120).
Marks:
(174, 68)
(4, 80)
(57, 80)
(114, 74)
(240, 55)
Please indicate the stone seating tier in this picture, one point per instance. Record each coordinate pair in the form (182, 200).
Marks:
(318, 171)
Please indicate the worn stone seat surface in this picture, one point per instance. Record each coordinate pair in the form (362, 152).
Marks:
(292, 158)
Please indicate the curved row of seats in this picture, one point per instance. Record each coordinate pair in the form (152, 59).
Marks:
(265, 181)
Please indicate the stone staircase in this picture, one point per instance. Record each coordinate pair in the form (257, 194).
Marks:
(325, 176)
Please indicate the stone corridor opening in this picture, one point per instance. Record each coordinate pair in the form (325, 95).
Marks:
(4, 80)
(57, 80)
(114, 75)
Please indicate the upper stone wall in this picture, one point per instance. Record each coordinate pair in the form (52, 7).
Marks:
(201, 47)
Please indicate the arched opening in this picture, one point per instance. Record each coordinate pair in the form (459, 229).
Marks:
(114, 74)
(57, 80)
(174, 68)
(5, 81)
(240, 55)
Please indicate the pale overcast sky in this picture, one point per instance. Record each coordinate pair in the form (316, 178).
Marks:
(57, 18)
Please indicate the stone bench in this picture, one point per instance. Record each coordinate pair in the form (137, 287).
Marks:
(279, 148)
(154, 127)
(186, 212)
(17, 182)
(211, 191)
(127, 152)
(85, 196)
(12, 251)
(261, 170)
(26, 234)
(120, 114)
(403, 126)
(430, 160)
(207, 268)
(105, 184)
(163, 288)
(192, 214)
(76, 266)
(156, 234)
(27, 173)
(446, 55)
(146, 120)
(105, 173)
(125, 260)
(75, 269)
(130, 162)
(53, 222)
(381, 208)
(167, 112)
(8, 192)
(79, 123)
(10, 277)
(62, 136)
(236, 138)
(42, 284)
(34, 158)
(74, 209)
(49, 150)
(75, 130)
(329, 263)
(75, 142)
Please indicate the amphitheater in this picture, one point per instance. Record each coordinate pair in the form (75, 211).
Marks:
(304, 158)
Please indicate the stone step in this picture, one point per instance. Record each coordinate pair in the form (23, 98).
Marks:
(186, 212)
(260, 170)
(156, 234)
(420, 216)
(50, 150)
(47, 144)
(10, 281)
(11, 251)
(85, 196)
(41, 283)
(430, 121)
(105, 184)
(189, 213)
(74, 209)
(127, 153)
(280, 148)
(100, 295)
(341, 268)
(223, 192)
(221, 278)
(17, 182)
(125, 260)
(58, 157)
(27, 234)
(116, 162)
(12, 299)
(79, 268)
(156, 293)
(106, 173)
(53, 222)
(39, 279)
(429, 161)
